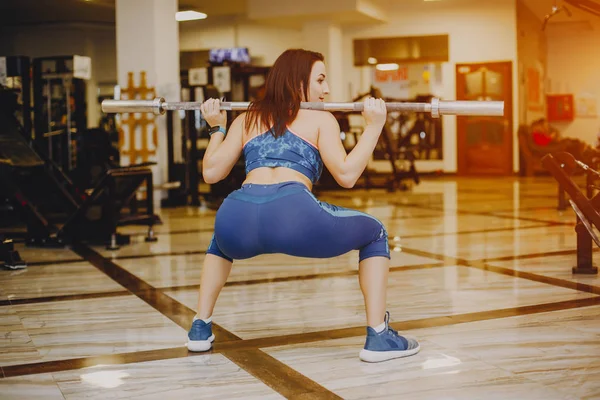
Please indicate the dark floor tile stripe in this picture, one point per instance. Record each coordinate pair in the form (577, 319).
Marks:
(275, 374)
(302, 277)
(582, 287)
(419, 323)
(100, 295)
(502, 313)
(508, 271)
(169, 307)
(68, 297)
(437, 207)
(493, 214)
(459, 233)
(229, 347)
(534, 255)
(542, 224)
(54, 262)
(278, 376)
(79, 363)
(173, 232)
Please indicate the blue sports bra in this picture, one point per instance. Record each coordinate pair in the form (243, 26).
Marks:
(288, 150)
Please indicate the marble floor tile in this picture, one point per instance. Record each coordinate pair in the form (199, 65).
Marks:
(198, 377)
(71, 329)
(55, 280)
(181, 242)
(567, 216)
(556, 266)
(170, 271)
(559, 349)
(281, 308)
(30, 387)
(436, 372)
(516, 204)
(453, 223)
(497, 244)
(42, 254)
(16, 346)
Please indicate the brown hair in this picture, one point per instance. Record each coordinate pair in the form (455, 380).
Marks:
(280, 104)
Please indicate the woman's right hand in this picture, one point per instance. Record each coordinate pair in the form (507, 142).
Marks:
(212, 114)
(374, 112)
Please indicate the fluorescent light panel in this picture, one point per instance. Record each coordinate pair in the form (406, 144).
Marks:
(189, 15)
(387, 67)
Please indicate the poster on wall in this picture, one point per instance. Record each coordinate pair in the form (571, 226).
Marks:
(586, 106)
(198, 76)
(82, 67)
(222, 79)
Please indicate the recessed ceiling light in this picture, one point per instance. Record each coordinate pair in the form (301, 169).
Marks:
(387, 67)
(189, 15)
(372, 60)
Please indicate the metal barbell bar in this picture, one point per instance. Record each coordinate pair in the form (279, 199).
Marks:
(437, 107)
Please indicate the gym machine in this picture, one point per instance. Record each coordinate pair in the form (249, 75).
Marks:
(59, 108)
(55, 210)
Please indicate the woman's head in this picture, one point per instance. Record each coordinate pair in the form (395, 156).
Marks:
(297, 75)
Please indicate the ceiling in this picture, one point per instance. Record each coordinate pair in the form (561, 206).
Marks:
(95, 12)
(541, 8)
(102, 12)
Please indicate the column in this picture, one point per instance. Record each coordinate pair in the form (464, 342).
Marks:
(148, 40)
(326, 38)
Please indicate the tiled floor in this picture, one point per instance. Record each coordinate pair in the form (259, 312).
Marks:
(481, 275)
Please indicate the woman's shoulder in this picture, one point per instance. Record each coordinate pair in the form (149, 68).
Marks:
(316, 116)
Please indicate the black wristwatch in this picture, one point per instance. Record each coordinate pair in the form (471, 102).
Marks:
(216, 128)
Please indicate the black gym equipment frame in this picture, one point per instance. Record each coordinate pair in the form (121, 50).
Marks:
(55, 210)
(9, 257)
(561, 166)
(18, 69)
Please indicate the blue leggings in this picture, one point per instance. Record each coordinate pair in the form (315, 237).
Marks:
(287, 218)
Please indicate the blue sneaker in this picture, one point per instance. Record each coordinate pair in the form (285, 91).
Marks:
(387, 344)
(200, 336)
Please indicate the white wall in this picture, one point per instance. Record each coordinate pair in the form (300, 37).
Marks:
(479, 31)
(574, 68)
(532, 54)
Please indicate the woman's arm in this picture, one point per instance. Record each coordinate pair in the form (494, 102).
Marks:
(223, 151)
(347, 168)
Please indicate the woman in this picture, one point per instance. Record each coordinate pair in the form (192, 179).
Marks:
(275, 212)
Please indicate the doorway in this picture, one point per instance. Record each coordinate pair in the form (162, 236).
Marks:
(485, 144)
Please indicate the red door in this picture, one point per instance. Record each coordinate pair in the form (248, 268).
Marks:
(485, 144)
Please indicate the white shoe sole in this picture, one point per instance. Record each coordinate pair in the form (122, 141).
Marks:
(379, 356)
(200, 345)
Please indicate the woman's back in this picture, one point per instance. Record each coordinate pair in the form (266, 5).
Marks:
(292, 157)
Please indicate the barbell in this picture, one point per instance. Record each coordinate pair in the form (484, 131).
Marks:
(437, 107)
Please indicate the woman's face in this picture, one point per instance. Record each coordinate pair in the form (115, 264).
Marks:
(318, 86)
